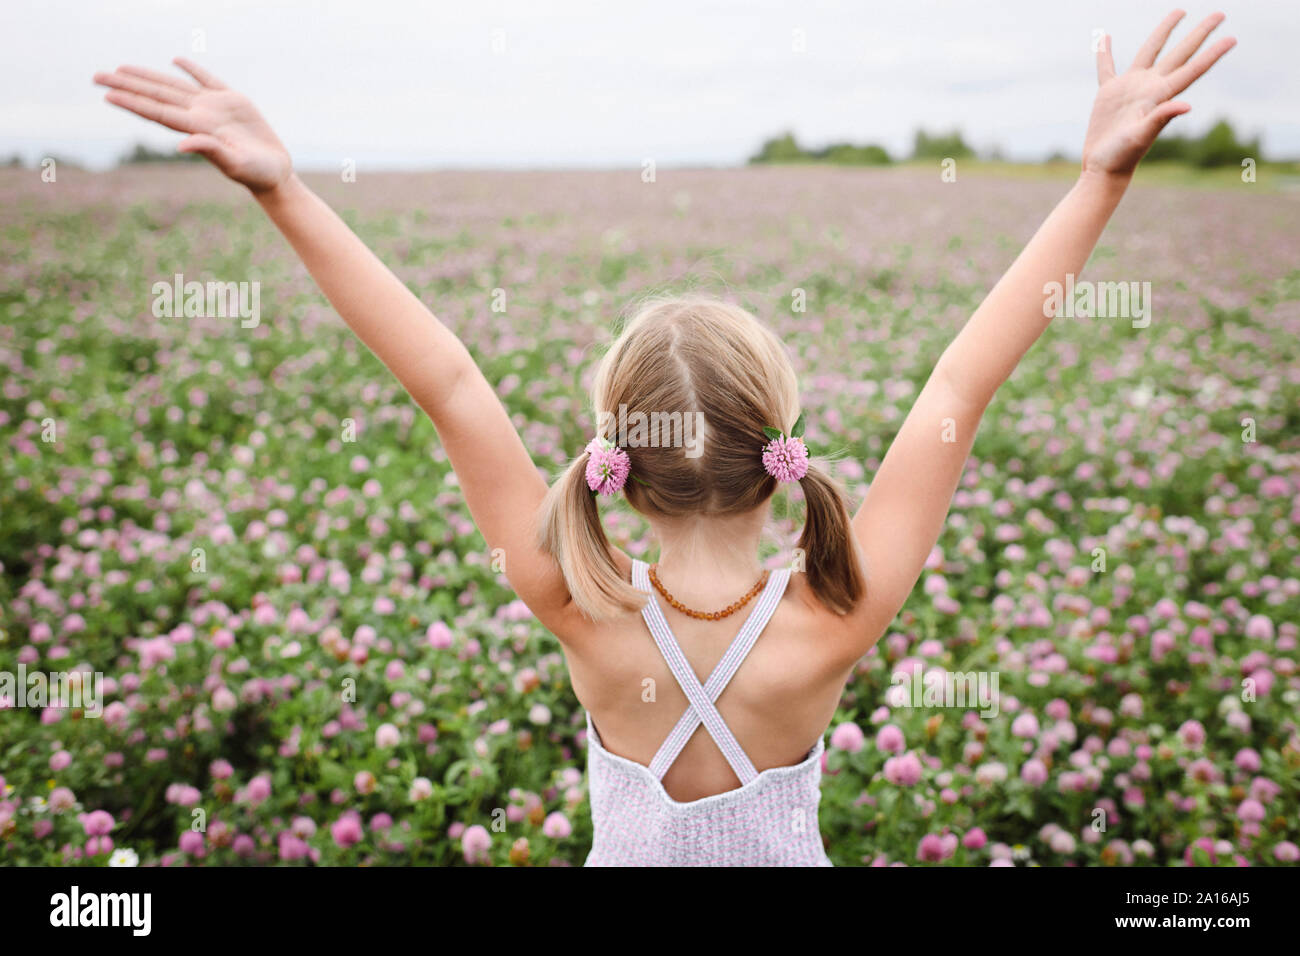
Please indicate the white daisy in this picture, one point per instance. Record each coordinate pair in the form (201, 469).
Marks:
(123, 857)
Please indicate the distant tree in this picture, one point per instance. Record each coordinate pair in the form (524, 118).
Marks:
(143, 154)
(850, 154)
(1220, 147)
(940, 146)
(13, 162)
(785, 149)
(780, 149)
(1171, 149)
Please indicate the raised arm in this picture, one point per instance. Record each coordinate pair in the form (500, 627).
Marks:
(501, 484)
(908, 500)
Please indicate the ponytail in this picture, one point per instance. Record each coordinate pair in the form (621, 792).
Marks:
(571, 531)
(828, 546)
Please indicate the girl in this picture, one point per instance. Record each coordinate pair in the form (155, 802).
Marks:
(704, 741)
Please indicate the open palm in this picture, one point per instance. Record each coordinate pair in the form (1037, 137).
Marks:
(1133, 107)
(224, 126)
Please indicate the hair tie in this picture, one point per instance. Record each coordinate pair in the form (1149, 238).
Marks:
(785, 457)
(607, 466)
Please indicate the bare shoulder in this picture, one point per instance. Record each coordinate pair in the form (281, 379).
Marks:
(571, 627)
(841, 639)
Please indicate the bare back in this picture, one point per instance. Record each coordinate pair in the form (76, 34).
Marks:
(778, 703)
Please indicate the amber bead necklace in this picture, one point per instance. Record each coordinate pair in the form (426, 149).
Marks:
(706, 615)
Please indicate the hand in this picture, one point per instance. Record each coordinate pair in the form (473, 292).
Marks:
(1132, 108)
(224, 126)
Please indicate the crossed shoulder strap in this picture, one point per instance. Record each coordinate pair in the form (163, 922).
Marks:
(701, 708)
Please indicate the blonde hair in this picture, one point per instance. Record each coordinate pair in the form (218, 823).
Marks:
(681, 356)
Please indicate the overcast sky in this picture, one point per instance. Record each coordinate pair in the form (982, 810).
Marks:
(400, 83)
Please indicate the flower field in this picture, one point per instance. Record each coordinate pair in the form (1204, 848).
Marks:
(307, 654)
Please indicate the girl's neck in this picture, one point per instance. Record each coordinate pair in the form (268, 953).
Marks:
(710, 562)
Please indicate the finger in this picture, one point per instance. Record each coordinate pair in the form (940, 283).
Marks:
(173, 117)
(1105, 60)
(1189, 45)
(163, 94)
(1159, 117)
(161, 78)
(1151, 49)
(207, 146)
(204, 78)
(1185, 76)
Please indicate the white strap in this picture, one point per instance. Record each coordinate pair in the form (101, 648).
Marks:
(724, 671)
(701, 708)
